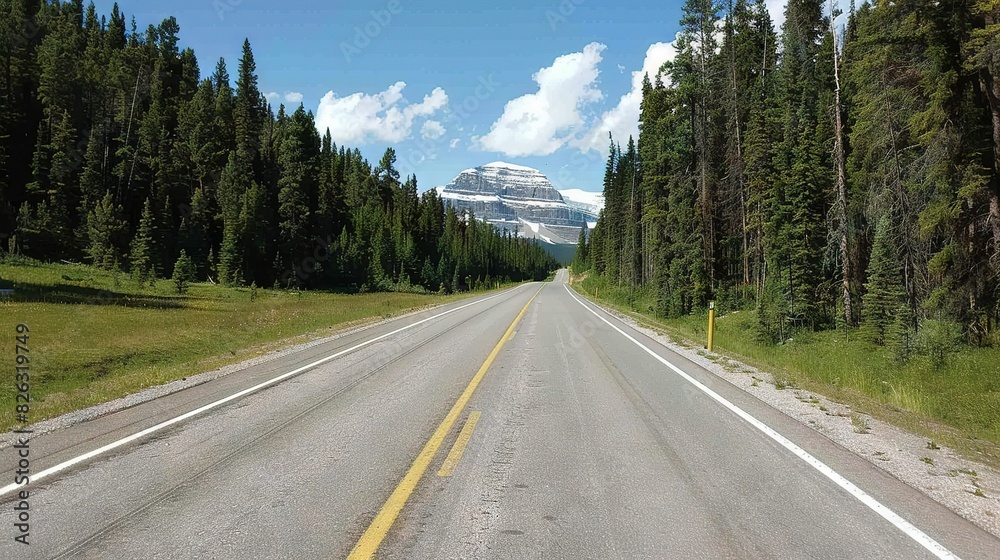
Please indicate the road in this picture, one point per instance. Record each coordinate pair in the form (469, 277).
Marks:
(587, 443)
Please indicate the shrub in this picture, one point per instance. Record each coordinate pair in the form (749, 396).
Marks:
(937, 339)
(900, 336)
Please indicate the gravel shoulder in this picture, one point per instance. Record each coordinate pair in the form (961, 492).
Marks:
(969, 488)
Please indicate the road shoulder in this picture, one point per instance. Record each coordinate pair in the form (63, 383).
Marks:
(969, 488)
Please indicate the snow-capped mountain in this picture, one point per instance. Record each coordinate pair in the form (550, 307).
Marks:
(522, 200)
(590, 203)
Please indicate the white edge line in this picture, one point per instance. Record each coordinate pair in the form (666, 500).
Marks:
(892, 517)
(152, 429)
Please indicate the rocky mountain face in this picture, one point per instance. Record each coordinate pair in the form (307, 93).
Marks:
(518, 199)
(588, 203)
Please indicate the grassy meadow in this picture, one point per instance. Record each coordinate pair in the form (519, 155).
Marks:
(97, 335)
(957, 403)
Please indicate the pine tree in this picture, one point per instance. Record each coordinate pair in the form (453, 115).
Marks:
(59, 65)
(698, 84)
(763, 129)
(613, 212)
(884, 295)
(193, 235)
(231, 192)
(52, 235)
(64, 183)
(247, 109)
(223, 122)
(92, 179)
(199, 143)
(106, 230)
(387, 176)
(184, 273)
(581, 259)
(428, 276)
(143, 253)
(298, 156)
(631, 249)
(330, 212)
(798, 201)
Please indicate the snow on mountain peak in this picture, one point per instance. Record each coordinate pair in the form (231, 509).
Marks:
(511, 166)
(516, 183)
(589, 198)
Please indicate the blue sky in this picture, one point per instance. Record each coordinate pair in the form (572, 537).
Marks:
(448, 84)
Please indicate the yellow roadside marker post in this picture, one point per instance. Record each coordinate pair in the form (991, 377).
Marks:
(711, 324)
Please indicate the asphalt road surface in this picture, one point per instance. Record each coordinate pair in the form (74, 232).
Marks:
(582, 439)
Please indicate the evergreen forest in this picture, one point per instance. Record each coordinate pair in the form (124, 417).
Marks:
(116, 151)
(841, 174)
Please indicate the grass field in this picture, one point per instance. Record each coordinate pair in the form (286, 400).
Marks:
(96, 335)
(957, 404)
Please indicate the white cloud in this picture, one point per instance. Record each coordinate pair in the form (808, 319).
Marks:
(290, 98)
(454, 143)
(777, 10)
(432, 130)
(540, 123)
(385, 116)
(623, 119)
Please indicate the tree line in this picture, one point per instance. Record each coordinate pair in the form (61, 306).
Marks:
(828, 177)
(115, 151)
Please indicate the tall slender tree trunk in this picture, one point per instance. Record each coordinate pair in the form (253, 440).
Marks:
(761, 264)
(841, 182)
(738, 167)
(706, 195)
(633, 256)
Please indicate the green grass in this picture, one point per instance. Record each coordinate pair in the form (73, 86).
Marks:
(96, 335)
(957, 405)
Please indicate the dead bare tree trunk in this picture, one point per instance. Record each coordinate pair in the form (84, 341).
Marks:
(841, 180)
(738, 164)
(708, 242)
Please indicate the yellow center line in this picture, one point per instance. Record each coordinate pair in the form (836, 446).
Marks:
(373, 536)
(459, 448)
